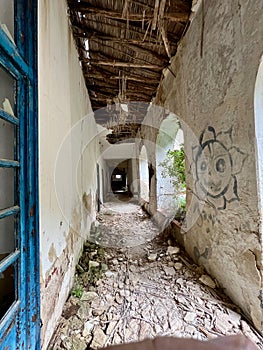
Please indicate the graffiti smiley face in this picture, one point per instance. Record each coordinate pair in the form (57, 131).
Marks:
(217, 162)
(213, 168)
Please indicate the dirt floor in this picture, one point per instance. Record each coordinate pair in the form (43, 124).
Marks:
(138, 286)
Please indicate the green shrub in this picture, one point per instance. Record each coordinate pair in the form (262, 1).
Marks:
(174, 167)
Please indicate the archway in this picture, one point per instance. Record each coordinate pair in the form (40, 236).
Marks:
(170, 193)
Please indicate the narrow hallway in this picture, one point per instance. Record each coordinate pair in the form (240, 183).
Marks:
(138, 285)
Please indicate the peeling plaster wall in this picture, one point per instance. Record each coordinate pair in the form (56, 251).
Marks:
(67, 160)
(212, 91)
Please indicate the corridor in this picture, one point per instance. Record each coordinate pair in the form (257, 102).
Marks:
(131, 171)
(136, 284)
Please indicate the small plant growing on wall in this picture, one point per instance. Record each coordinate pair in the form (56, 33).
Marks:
(174, 168)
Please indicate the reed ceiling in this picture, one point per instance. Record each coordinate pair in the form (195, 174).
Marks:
(123, 46)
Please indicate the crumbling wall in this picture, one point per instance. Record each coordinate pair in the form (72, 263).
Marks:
(210, 86)
(67, 160)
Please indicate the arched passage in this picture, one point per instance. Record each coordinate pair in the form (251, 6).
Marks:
(258, 105)
(170, 138)
(144, 174)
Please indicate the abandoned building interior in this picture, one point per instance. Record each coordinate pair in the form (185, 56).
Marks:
(131, 171)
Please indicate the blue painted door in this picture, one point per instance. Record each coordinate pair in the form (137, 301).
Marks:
(19, 254)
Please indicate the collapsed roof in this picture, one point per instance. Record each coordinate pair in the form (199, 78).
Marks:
(123, 48)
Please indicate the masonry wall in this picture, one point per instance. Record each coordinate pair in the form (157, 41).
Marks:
(211, 88)
(67, 160)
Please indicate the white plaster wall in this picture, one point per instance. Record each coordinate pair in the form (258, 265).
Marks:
(214, 87)
(144, 174)
(67, 160)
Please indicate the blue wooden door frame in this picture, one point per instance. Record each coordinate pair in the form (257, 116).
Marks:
(20, 327)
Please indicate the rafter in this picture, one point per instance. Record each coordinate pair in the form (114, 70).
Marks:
(115, 70)
(115, 90)
(137, 31)
(97, 54)
(123, 64)
(93, 35)
(85, 25)
(100, 73)
(145, 80)
(96, 11)
(131, 39)
(135, 48)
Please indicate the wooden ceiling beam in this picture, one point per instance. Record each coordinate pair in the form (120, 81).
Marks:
(103, 97)
(130, 76)
(140, 34)
(92, 34)
(97, 54)
(108, 97)
(114, 63)
(84, 25)
(145, 80)
(114, 92)
(96, 11)
(106, 89)
(141, 73)
(111, 84)
(135, 48)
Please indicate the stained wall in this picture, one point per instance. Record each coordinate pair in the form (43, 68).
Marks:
(210, 87)
(67, 160)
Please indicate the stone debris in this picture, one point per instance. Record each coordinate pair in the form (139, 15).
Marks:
(169, 271)
(173, 250)
(207, 280)
(178, 266)
(89, 296)
(152, 257)
(190, 317)
(88, 326)
(99, 338)
(136, 297)
(93, 264)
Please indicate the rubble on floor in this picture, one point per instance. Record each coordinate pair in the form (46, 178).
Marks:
(129, 294)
